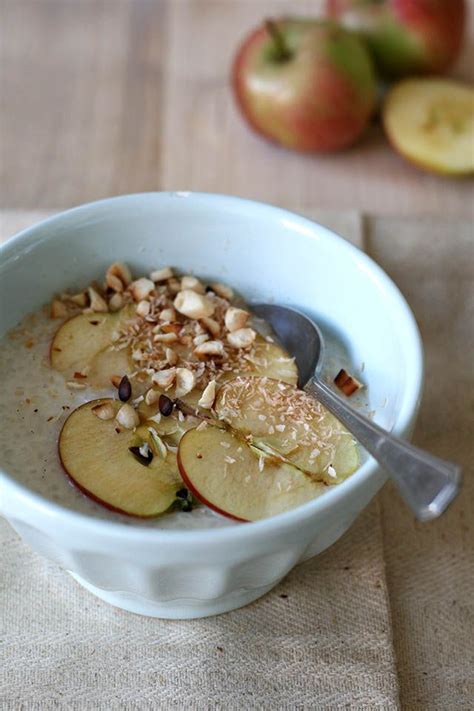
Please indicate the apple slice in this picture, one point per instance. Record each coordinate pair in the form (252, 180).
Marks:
(96, 455)
(431, 123)
(230, 477)
(285, 421)
(267, 359)
(82, 344)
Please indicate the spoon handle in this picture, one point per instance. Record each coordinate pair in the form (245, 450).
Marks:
(428, 484)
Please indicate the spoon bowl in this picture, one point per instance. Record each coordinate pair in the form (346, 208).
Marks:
(428, 484)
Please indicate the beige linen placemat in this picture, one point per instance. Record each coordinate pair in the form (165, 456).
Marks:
(321, 639)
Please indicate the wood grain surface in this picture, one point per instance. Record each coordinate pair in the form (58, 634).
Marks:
(102, 97)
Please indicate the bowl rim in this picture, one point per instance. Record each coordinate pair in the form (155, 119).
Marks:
(409, 405)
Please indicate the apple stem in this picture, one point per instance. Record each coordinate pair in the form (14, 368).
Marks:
(282, 51)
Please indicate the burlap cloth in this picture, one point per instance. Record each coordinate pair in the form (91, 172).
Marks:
(382, 620)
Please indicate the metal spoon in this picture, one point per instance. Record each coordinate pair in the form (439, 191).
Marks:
(428, 484)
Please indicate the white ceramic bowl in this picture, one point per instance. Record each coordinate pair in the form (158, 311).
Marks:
(266, 253)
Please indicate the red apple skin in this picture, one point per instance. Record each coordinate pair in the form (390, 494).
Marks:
(406, 36)
(321, 99)
(190, 486)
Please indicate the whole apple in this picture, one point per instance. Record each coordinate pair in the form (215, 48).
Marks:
(306, 84)
(406, 36)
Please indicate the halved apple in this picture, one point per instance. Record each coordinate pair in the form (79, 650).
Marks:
(83, 344)
(283, 420)
(226, 474)
(431, 123)
(96, 455)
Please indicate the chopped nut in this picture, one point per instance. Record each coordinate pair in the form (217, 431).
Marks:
(164, 378)
(208, 396)
(58, 309)
(116, 302)
(104, 411)
(75, 385)
(235, 318)
(194, 305)
(347, 383)
(141, 288)
(171, 328)
(174, 285)
(167, 315)
(210, 348)
(116, 380)
(171, 356)
(152, 396)
(79, 299)
(190, 282)
(165, 337)
(97, 302)
(242, 338)
(222, 290)
(158, 443)
(143, 308)
(118, 276)
(161, 274)
(185, 381)
(211, 325)
(202, 338)
(127, 417)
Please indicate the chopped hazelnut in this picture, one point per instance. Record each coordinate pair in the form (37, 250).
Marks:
(225, 292)
(143, 308)
(116, 302)
(185, 381)
(242, 338)
(235, 318)
(58, 309)
(211, 325)
(152, 396)
(127, 417)
(141, 288)
(193, 305)
(208, 396)
(118, 276)
(190, 282)
(104, 411)
(167, 314)
(161, 274)
(209, 349)
(164, 378)
(97, 302)
(171, 356)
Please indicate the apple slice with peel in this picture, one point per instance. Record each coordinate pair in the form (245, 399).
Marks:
(431, 123)
(283, 420)
(82, 344)
(96, 455)
(235, 480)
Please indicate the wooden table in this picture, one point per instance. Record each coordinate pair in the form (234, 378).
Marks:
(102, 97)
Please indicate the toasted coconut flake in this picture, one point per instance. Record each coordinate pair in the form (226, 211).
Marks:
(208, 396)
(235, 318)
(97, 303)
(210, 349)
(118, 276)
(58, 309)
(143, 308)
(185, 381)
(116, 302)
(347, 383)
(127, 417)
(161, 274)
(193, 305)
(242, 338)
(104, 411)
(141, 288)
(222, 290)
(164, 378)
(75, 385)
